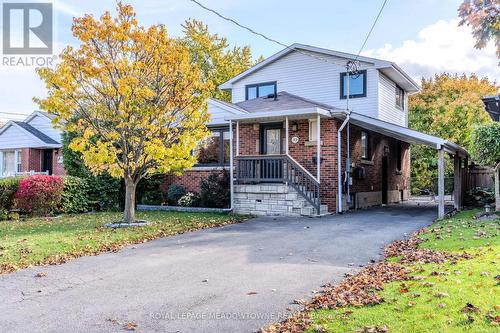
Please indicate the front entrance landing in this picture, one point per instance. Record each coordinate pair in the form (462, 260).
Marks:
(237, 278)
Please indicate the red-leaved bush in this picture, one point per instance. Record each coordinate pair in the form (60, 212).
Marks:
(39, 194)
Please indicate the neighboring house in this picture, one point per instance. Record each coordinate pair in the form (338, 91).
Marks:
(492, 106)
(30, 146)
(284, 106)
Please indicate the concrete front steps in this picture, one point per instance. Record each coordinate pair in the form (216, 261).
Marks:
(272, 200)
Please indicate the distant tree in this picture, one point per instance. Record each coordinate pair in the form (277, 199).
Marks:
(448, 106)
(218, 61)
(486, 151)
(132, 95)
(484, 18)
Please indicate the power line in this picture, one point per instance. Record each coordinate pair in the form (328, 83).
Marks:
(371, 29)
(14, 113)
(264, 36)
(351, 65)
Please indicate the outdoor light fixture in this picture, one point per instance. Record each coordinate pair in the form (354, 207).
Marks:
(295, 126)
(386, 150)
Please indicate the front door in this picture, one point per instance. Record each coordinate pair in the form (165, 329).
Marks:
(385, 173)
(270, 138)
(47, 161)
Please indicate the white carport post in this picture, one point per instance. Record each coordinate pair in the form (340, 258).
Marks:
(457, 183)
(441, 182)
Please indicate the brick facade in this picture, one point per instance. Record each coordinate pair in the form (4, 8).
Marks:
(304, 152)
(32, 160)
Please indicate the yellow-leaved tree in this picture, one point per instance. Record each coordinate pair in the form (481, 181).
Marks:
(133, 96)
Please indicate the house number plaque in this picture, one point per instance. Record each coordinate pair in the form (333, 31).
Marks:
(295, 139)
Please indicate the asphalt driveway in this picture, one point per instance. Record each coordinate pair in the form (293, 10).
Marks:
(231, 279)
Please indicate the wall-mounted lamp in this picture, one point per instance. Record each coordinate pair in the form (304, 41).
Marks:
(294, 126)
(386, 150)
(255, 127)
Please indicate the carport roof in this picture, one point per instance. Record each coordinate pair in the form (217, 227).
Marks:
(402, 133)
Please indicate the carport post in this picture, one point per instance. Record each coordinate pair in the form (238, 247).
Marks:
(441, 182)
(457, 183)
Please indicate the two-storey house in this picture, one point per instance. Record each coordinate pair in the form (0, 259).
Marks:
(304, 137)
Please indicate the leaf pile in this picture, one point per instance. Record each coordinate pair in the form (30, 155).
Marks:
(409, 252)
(361, 289)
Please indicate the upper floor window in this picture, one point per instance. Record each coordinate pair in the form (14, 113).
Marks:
(357, 85)
(365, 145)
(260, 90)
(400, 97)
(214, 150)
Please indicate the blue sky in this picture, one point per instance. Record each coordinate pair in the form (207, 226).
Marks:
(422, 36)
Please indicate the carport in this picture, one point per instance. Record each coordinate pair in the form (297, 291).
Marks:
(460, 155)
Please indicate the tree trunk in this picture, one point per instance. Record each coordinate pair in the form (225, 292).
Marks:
(129, 213)
(497, 188)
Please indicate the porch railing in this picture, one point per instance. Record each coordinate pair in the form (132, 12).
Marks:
(278, 169)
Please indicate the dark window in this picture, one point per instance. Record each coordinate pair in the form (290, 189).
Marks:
(399, 157)
(357, 85)
(365, 145)
(260, 90)
(214, 150)
(400, 97)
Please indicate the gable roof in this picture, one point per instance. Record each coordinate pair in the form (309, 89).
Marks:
(43, 137)
(389, 68)
(283, 101)
(39, 113)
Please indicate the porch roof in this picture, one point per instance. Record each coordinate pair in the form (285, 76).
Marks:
(291, 106)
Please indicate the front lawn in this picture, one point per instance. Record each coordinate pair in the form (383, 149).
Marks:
(445, 279)
(454, 296)
(39, 241)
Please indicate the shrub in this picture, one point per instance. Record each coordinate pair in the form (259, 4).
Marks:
(175, 192)
(189, 200)
(478, 197)
(74, 197)
(215, 192)
(150, 191)
(8, 189)
(39, 195)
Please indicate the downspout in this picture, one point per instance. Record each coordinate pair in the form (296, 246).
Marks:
(339, 163)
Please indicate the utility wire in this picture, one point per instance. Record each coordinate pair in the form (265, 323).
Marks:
(264, 36)
(371, 29)
(287, 46)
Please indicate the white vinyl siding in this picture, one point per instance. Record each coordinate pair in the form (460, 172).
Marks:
(14, 137)
(308, 77)
(218, 113)
(388, 111)
(44, 125)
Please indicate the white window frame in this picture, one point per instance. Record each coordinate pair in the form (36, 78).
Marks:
(312, 130)
(18, 160)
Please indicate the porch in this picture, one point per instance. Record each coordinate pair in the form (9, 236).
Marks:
(308, 148)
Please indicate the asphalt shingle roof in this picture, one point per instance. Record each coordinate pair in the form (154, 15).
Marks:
(284, 101)
(36, 133)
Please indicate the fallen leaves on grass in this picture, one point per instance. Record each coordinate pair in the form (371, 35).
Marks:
(470, 308)
(361, 289)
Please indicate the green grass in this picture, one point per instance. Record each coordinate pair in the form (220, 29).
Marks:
(435, 303)
(38, 241)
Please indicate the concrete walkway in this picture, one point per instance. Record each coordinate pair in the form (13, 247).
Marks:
(231, 279)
